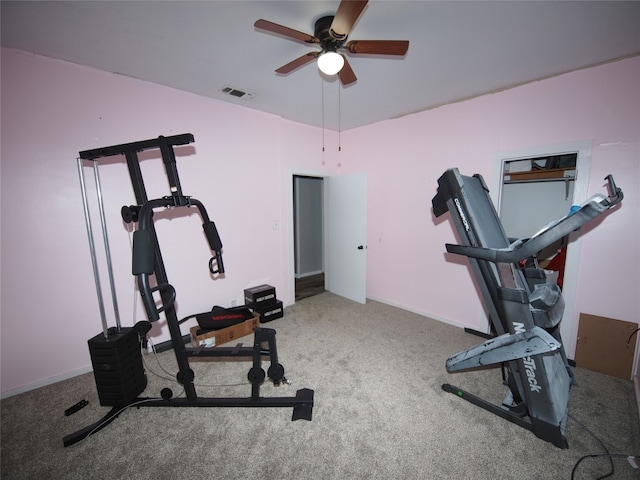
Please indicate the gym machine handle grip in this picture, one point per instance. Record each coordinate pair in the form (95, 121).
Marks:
(146, 292)
(215, 264)
(143, 265)
(213, 238)
(143, 252)
(166, 303)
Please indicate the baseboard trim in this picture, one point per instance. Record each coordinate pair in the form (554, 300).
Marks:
(308, 274)
(45, 382)
(168, 345)
(419, 312)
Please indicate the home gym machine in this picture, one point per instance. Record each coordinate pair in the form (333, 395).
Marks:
(524, 310)
(116, 354)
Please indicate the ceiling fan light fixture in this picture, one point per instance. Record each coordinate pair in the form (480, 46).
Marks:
(330, 63)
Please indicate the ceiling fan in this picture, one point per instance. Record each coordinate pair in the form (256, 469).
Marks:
(330, 34)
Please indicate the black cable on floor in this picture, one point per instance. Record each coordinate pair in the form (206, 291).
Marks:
(611, 456)
(608, 455)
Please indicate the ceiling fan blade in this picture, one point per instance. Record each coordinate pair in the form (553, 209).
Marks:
(285, 31)
(298, 62)
(346, 75)
(346, 16)
(378, 47)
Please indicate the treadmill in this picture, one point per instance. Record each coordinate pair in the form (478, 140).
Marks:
(524, 310)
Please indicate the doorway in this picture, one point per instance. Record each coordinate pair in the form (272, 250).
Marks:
(535, 192)
(308, 235)
(344, 214)
(572, 190)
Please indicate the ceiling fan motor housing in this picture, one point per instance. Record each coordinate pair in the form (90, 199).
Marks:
(329, 40)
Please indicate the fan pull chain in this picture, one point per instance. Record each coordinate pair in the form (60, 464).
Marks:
(339, 118)
(322, 87)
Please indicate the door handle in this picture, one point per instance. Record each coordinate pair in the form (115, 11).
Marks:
(360, 247)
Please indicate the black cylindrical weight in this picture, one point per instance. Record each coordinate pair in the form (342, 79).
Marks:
(276, 372)
(166, 393)
(256, 375)
(127, 214)
(135, 209)
(188, 377)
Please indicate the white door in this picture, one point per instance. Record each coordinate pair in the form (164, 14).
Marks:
(346, 229)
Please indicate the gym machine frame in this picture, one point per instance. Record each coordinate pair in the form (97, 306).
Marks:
(116, 352)
(525, 311)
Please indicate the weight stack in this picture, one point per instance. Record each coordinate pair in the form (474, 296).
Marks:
(117, 366)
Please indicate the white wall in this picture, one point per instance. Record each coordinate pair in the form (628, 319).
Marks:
(526, 207)
(51, 110)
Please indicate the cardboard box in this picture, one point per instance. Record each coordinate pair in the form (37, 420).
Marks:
(270, 312)
(212, 338)
(606, 345)
(259, 296)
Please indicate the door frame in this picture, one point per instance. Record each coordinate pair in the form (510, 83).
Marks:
(296, 226)
(293, 172)
(569, 324)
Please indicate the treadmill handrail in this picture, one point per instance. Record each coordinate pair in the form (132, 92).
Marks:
(525, 248)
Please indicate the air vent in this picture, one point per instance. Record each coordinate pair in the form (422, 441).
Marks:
(237, 93)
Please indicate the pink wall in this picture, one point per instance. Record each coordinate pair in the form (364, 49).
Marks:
(51, 110)
(403, 158)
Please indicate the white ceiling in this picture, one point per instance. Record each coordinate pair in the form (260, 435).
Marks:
(457, 49)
